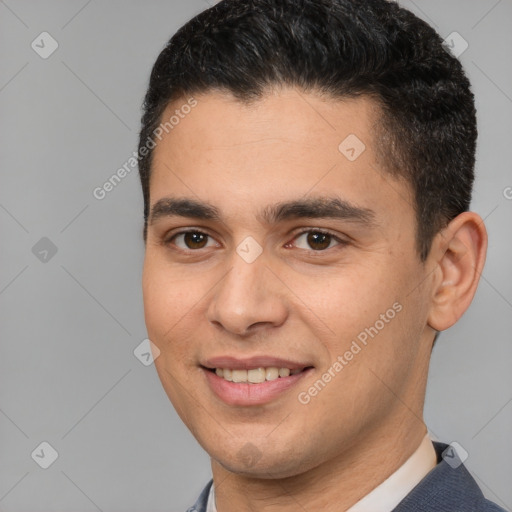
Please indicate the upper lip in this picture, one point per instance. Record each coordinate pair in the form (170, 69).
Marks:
(236, 363)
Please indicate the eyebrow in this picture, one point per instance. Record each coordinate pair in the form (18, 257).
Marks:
(314, 208)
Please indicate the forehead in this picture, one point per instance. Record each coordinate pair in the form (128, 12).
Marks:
(286, 145)
(287, 115)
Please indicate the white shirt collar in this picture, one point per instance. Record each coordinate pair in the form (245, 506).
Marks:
(387, 495)
(210, 506)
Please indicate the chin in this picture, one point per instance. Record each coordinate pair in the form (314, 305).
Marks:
(265, 462)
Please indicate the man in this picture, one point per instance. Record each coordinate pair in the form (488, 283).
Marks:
(307, 169)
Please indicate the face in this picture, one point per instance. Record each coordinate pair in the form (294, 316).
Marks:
(280, 252)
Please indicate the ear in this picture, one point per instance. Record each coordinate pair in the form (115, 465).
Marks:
(459, 255)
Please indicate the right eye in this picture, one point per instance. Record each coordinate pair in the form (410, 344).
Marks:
(190, 240)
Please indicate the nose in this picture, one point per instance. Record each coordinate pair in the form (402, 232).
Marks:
(250, 298)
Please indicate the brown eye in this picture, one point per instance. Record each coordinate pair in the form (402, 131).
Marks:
(318, 241)
(195, 240)
(315, 240)
(190, 240)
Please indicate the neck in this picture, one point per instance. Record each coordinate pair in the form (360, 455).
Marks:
(333, 486)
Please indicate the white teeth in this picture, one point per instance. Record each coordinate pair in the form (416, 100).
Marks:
(239, 375)
(284, 372)
(255, 375)
(272, 373)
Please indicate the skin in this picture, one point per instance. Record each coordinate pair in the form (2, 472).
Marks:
(295, 302)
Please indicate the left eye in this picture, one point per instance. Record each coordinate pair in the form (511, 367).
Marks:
(316, 240)
(191, 240)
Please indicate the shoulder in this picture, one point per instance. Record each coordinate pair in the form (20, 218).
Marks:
(492, 507)
(202, 502)
(448, 487)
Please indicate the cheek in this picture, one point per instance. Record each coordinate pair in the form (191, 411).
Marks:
(351, 300)
(370, 356)
(167, 302)
(369, 320)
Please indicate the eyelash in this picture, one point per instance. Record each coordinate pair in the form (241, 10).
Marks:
(339, 241)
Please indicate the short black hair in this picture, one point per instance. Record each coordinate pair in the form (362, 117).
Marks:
(344, 49)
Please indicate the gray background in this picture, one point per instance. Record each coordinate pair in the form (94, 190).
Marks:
(69, 325)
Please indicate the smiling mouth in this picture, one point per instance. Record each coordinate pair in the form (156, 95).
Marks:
(256, 375)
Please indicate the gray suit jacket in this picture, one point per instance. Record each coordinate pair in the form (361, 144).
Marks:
(447, 488)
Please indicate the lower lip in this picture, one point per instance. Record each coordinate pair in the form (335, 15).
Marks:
(243, 393)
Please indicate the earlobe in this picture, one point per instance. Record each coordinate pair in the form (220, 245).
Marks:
(460, 250)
